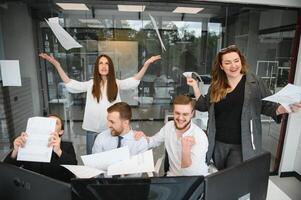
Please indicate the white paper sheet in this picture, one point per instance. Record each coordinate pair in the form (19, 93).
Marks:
(140, 163)
(157, 31)
(10, 72)
(81, 171)
(288, 95)
(102, 160)
(187, 74)
(36, 148)
(63, 36)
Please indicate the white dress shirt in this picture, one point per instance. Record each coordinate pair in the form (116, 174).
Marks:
(105, 142)
(95, 116)
(173, 145)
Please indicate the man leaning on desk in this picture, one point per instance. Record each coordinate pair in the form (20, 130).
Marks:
(63, 153)
(186, 144)
(119, 133)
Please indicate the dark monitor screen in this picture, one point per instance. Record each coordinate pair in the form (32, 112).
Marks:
(17, 183)
(157, 188)
(248, 180)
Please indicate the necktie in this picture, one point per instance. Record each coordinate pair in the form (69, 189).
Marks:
(119, 141)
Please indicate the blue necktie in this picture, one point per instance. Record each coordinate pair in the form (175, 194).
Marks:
(119, 141)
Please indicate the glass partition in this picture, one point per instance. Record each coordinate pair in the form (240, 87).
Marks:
(265, 35)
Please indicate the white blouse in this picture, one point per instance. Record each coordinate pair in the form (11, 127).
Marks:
(95, 116)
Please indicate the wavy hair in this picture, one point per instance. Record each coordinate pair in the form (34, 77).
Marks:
(220, 84)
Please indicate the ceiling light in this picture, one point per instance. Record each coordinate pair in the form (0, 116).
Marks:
(131, 8)
(188, 10)
(73, 6)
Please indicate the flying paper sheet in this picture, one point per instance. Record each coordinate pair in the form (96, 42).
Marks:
(10, 72)
(143, 162)
(81, 171)
(288, 95)
(63, 36)
(36, 148)
(157, 31)
(102, 160)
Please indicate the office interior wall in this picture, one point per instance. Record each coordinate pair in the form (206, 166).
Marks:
(18, 42)
(291, 159)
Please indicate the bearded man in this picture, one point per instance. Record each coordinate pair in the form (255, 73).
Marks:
(186, 144)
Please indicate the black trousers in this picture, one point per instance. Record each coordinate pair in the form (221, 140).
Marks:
(226, 155)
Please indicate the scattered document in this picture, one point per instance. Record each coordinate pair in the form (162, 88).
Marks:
(187, 74)
(10, 72)
(290, 94)
(157, 31)
(143, 162)
(103, 160)
(63, 36)
(36, 148)
(81, 171)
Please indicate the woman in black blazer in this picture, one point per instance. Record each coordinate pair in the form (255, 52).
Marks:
(63, 153)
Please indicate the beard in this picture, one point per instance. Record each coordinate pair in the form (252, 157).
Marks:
(115, 132)
(183, 127)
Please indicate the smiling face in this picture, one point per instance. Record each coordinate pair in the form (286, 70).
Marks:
(182, 116)
(231, 65)
(116, 124)
(103, 66)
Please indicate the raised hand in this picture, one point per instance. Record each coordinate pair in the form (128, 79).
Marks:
(187, 142)
(55, 142)
(152, 59)
(50, 59)
(19, 142)
(295, 107)
(191, 82)
(57, 65)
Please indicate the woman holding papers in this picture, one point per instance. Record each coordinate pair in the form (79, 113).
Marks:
(63, 153)
(102, 91)
(234, 102)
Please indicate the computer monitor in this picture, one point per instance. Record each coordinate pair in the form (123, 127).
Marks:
(246, 181)
(17, 183)
(177, 187)
(155, 188)
(88, 189)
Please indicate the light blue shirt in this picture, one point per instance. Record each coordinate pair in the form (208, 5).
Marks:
(105, 142)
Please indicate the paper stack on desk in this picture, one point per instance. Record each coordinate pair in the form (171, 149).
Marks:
(114, 162)
(290, 94)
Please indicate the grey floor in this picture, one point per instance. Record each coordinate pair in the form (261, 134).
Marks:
(73, 132)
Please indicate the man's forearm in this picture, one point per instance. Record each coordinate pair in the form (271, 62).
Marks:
(186, 158)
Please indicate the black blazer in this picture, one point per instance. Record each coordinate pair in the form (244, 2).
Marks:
(52, 169)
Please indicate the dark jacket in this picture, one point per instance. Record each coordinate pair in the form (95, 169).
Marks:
(253, 107)
(52, 169)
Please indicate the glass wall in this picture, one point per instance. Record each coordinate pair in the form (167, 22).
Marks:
(265, 35)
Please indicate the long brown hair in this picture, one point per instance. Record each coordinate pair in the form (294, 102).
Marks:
(111, 81)
(219, 84)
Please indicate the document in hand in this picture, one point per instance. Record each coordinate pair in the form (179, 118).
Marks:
(36, 148)
(288, 95)
(102, 160)
(81, 171)
(140, 163)
(63, 36)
